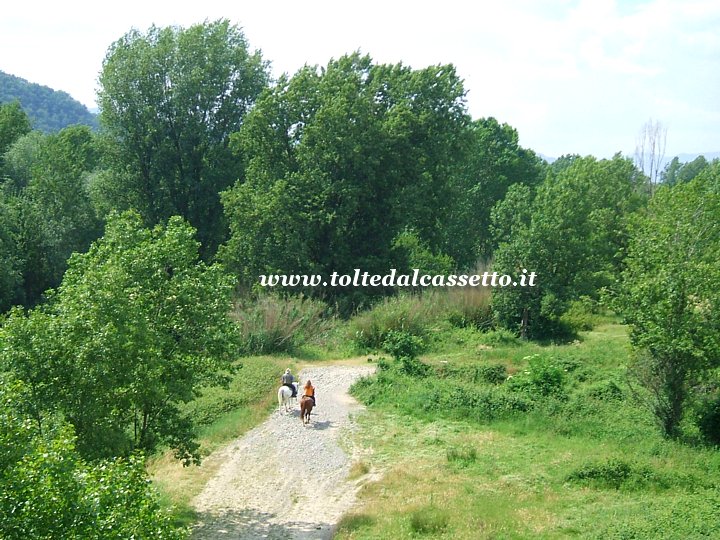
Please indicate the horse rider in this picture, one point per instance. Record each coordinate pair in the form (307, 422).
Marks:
(309, 391)
(287, 380)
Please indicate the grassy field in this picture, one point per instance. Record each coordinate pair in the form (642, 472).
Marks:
(540, 455)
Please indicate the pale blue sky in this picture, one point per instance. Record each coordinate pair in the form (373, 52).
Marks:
(570, 76)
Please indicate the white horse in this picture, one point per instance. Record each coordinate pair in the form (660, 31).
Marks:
(284, 397)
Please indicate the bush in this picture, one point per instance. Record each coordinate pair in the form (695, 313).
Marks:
(617, 473)
(405, 349)
(709, 422)
(411, 314)
(483, 373)
(280, 324)
(48, 491)
(582, 315)
(403, 345)
(543, 376)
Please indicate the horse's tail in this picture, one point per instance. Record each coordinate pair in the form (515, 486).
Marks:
(280, 397)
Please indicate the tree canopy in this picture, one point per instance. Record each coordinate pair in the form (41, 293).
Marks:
(671, 291)
(169, 100)
(137, 325)
(339, 161)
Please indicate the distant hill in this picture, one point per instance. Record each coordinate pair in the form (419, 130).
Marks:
(49, 110)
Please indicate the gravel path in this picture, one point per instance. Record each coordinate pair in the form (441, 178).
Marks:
(283, 480)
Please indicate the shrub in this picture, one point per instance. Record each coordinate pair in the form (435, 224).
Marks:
(411, 314)
(543, 376)
(617, 473)
(403, 345)
(280, 324)
(405, 349)
(483, 373)
(582, 315)
(709, 422)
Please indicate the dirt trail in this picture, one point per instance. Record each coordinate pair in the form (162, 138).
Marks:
(283, 480)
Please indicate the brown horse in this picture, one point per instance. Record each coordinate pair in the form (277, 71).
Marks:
(306, 406)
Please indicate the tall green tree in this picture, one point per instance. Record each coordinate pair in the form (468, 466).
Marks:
(14, 123)
(169, 100)
(340, 160)
(11, 256)
(572, 234)
(494, 161)
(676, 172)
(136, 327)
(671, 292)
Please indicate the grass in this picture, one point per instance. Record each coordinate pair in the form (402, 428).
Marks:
(587, 462)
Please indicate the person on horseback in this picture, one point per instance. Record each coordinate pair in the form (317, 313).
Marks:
(287, 380)
(309, 391)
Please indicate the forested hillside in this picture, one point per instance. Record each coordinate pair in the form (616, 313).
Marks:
(130, 260)
(49, 110)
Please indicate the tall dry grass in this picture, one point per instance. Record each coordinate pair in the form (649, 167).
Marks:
(271, 323)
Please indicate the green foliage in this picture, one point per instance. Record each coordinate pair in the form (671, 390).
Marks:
(617, 473)
(169, 100)
(542, 377)
(476, 373)
(572, 234)
(495, 165)
(671, 288)
(49, 110)
(581, 315)
(271, 324)
(14, 123)
(47, 491)
(709, 421)
(677, 173)
(136, 327)
(461, 456)
(420, 257)
(405, 349)
(340, 161)
(403, 345)
(411, 314)
(499, 338)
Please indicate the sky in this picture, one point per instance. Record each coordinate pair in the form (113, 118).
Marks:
(571, 76)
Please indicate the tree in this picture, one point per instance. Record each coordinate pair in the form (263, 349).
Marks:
(48, 491)
(136, 327)
(14, 123)
(494, 162)
(169, 100)
(339, 162)
(650, 150)
(11, 256)
(572, 234)
(676, 172)
(671, 292)
(22, 156)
